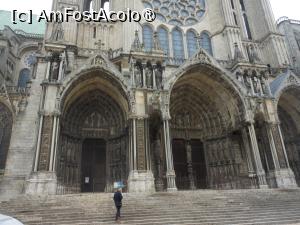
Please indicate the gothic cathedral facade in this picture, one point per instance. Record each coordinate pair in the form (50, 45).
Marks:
(201, 98)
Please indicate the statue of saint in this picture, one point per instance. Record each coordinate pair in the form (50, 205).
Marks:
(149, 78)
(57, 32)
(158, 77)
(187, 119)
(255, 84)
(54, 72)
(138, 76)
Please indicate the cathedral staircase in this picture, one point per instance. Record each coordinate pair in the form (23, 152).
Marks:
(184, 207)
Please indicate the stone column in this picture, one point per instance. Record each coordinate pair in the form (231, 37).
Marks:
(37, 154)
(43, 179)
(283, 174)
(54, 143)
(169, 158)
(250, 160)
(45, 143)
(272, 146)
(190, 165)
(257, 160)
(141, 145)
(56, 146)
(140, 178)
(132, 149)
(132, 67)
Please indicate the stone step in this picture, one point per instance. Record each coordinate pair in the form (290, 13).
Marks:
(197, 207)
(46, 210)
(140, 219)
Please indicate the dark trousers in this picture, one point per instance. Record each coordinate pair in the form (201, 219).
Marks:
(118, 214)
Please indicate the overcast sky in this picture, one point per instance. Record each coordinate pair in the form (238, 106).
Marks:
(288, 8)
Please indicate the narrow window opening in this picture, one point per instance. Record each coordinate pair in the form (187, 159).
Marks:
(235, 19)
(242, 5)
(248, 31)
(232, 4)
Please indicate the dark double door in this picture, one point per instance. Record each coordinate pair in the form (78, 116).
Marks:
(181, 164)
(93, 165)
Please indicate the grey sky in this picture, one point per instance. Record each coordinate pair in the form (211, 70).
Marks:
(288, 8)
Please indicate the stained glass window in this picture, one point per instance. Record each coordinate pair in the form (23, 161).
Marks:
(163, 39)
(24, 78)
(191, 42)
(148, 37)
(206, 43)
(178, 49)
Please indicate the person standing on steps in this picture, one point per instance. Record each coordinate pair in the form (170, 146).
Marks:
(118, 203)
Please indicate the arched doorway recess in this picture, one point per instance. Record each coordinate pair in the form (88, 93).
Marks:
(206, 130)
(93, 137)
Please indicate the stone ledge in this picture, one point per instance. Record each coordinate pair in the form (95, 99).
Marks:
(41, 183)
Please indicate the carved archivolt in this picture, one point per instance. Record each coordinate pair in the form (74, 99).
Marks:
(204, 63)
(284, 82)
(199, 102)
(6, 122)
(92, 115)
(288, 110)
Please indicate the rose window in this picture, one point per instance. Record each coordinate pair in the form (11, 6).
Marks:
(177, 12)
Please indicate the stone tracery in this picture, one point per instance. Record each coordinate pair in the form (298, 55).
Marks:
(178, 12)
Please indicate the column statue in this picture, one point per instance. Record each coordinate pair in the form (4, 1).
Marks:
(138, 76)
(149, 78)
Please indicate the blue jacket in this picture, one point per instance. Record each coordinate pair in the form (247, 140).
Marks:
(118, 198)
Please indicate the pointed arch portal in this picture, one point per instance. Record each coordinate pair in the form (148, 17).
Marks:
(93, 136)
(207, 142)
(289, 116)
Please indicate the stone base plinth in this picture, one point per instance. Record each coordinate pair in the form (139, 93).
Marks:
(11, 187)
(41, 183)
(283, 178)
(141, 182)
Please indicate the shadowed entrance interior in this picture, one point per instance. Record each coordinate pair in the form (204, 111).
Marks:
(93, 165)
(191, 164)
(289, 115)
